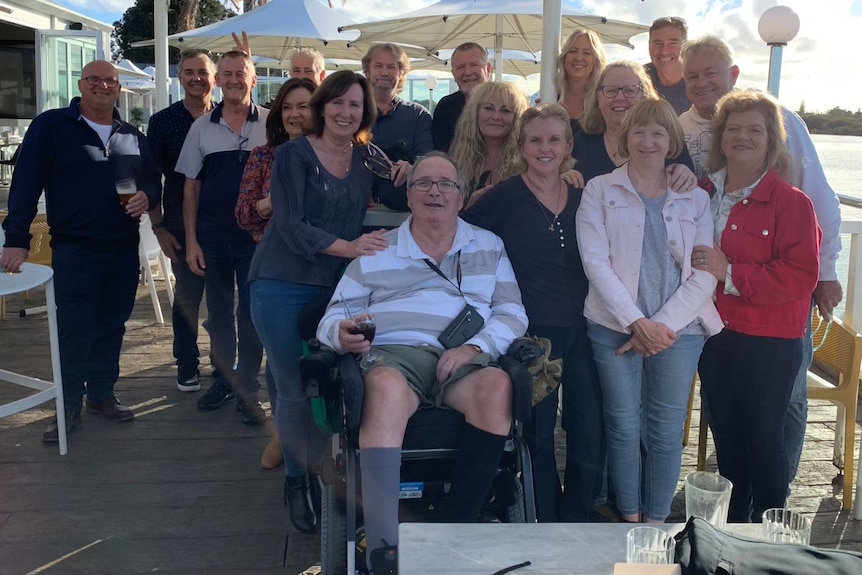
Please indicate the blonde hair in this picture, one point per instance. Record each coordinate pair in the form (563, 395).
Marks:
(658, 112)
(738, 101)
(592, 121)
(598, 52)
(468, 146)
(552, 111)
(705, 44)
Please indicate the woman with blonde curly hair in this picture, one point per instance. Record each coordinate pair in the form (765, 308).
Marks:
(485, 146)
(581, 60)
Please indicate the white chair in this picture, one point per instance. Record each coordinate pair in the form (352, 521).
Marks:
(30, 277)
(149, 253)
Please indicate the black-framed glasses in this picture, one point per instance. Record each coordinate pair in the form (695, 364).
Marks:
(377, 162)
(443, 186)
(98, 81)
(628, 91)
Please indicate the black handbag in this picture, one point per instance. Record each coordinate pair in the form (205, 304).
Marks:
(701, 549)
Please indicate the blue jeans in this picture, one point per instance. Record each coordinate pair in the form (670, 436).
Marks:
(582, 421)
(645, 402)
(231, 335)
(95, 294)
(275, 307)
(188, 294)
(797, 411)
(748, 381)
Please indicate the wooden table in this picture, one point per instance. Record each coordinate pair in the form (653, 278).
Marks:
(552, 548)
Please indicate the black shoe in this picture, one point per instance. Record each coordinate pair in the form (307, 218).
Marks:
(297, 498)
(188, 378)
(110, 409)
(251, 411)
(217, 395)
(52, 432)
(384, 560)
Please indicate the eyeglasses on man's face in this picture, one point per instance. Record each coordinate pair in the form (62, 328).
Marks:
(443, 186)
(628, 91)
(98, 81)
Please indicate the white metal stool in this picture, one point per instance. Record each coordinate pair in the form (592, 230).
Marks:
(33, 276)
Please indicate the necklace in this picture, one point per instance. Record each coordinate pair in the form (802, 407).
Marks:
(613, 151)
(554, 224)
(338, 155)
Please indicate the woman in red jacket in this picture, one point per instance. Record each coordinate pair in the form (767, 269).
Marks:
(765, 259)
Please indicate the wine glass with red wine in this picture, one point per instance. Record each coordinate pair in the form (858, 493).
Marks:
(365, 325)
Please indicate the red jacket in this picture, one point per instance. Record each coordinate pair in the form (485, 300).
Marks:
(772, 240)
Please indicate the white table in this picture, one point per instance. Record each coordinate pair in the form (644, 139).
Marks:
(553, 548)
(382, 217)
(32, 276)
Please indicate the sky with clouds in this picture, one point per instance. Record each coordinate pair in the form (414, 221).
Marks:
(817, 66)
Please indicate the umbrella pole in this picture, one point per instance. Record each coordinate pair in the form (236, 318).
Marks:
(552, 21)
(498, 47)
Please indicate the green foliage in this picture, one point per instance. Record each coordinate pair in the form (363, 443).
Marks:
(836, 121)
(136, 117)
(137, 24)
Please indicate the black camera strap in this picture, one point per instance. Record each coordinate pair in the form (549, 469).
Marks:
(434, 267)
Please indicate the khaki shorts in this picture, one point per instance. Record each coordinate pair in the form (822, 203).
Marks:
(418, 365)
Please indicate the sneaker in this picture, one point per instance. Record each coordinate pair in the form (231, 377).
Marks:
(188, 378)
(217, 395)
(251, 411)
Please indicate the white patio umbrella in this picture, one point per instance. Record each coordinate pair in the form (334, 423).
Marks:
(515, 62)
(498, 24)
(274, 30)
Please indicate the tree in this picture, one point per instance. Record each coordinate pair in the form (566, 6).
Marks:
(137, 24)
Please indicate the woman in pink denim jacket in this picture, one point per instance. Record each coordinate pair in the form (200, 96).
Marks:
(649, 311)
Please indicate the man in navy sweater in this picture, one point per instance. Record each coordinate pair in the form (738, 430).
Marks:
(77, 155)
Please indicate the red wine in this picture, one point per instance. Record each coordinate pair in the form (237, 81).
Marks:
(366, 328)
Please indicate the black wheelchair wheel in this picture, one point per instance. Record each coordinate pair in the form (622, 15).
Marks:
(333, 534)
(516, 511)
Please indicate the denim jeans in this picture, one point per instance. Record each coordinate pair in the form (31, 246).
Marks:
(275, 307)
(645, 402)
(582, 421)
(235, 347)
(188, 294)
(95, 294)
(797, 411)
(748, 381)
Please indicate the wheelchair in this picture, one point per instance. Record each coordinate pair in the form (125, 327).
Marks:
(335, 388)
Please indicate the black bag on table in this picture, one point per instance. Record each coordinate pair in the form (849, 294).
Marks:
(701, 549)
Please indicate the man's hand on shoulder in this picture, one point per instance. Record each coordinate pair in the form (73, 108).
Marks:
(452, 359)
(12, 258)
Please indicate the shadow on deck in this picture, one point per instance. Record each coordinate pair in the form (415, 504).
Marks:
(180, 491)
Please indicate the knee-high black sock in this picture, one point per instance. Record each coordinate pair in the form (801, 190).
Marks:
(380, 477)
(475, 467)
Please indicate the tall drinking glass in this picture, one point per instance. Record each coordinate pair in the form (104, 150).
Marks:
(707, 495)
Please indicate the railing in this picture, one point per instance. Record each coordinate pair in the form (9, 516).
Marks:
(853, 285)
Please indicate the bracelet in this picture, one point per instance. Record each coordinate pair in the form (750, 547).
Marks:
(257, 208)
(157, 226)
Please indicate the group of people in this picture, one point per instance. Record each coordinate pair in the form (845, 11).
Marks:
(676, 246)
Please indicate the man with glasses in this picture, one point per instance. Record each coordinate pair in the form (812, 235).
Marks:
(166, 133)
(470, 68)
(666, 38)
(434, 265)
(212, 159)
(77, 155)
(308, 63)
(710, 74)
(402, 129)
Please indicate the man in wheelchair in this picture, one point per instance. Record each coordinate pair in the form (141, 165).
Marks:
(446, 304)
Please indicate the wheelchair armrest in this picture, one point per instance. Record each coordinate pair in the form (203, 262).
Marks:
(318, 370)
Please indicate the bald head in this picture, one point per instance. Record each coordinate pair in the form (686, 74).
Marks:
(100, 88)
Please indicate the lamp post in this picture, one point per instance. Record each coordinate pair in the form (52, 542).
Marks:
(778, 26)
(431, 83)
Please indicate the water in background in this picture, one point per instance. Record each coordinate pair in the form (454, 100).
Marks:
(840, 157)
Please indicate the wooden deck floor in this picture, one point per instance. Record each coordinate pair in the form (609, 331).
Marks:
(179, 491)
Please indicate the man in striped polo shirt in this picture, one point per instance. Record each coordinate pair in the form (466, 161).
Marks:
(435, 263)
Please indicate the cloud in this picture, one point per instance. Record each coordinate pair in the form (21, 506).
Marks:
(107, 6)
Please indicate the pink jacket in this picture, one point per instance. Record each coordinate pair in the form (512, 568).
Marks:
(610, 238)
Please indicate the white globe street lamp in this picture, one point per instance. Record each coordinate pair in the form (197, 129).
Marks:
(431, 83)
(778, 26)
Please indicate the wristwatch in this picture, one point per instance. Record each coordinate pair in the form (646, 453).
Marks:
(157, 225)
